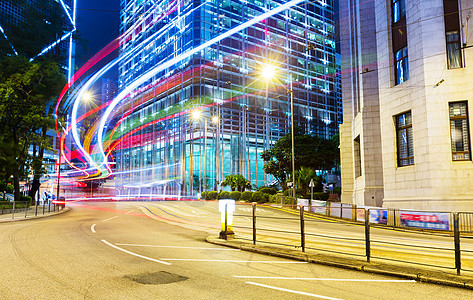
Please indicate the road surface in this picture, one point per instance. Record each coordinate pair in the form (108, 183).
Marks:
(157, 251)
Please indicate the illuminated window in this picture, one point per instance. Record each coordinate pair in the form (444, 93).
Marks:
(453, 50)
(404, 136)
(402, 65)
(459, 130)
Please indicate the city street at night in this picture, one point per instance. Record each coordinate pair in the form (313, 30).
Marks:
(114, 250)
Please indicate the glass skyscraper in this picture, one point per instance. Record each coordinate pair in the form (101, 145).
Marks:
(213, 114)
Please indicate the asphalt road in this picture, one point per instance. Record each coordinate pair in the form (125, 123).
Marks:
(157, 251)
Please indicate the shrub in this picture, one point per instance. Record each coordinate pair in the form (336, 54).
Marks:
(212, 195)
(337, 190)
(203, 196)
(235, 195)
(246, 195)
(321, 196)
(224, 195)
(275, 198)
(260, 197)
(268, 190)
(10, 189)
(25, 199)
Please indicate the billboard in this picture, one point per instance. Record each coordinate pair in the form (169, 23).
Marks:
(425, 220)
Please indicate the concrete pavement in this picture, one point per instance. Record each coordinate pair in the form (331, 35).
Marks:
(376, 267)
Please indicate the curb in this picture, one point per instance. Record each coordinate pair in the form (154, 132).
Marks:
(66, 209)
(420, 275)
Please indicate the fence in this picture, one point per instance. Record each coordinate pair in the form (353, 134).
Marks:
(447, 245)
(23, 209)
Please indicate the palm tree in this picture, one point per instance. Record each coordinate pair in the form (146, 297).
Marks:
(303, 177)
(236, 182)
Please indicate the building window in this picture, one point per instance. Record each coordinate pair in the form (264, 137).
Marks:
(452, 36)
(399, 10)
(402, 65)
(357, 152)
(459, 130)
(405, 146)
(453, 50)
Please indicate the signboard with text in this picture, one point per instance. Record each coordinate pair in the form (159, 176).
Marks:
(426, 220)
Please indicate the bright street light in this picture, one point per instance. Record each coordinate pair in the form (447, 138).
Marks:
(196, 114)
(87, 96)
(215, 119)
(268, 71)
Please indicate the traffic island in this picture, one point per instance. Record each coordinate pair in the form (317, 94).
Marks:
(377, 267)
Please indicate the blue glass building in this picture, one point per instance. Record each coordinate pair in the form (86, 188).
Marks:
(240, 113)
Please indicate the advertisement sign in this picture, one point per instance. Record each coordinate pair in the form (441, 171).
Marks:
(426, 220)
(379, 216)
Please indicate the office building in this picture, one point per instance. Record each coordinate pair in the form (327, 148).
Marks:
(405, 140)
(213, 114)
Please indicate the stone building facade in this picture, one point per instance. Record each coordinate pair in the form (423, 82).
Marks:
(407, 93)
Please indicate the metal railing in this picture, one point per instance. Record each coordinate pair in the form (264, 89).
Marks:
(24, 209)
(442, 249)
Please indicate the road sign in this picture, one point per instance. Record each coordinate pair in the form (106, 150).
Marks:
(311, 184)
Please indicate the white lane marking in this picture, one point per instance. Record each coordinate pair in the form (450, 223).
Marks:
(129, 212)
(236, 261)
(248, 219)
(291, 291)
(178, 247)
(327, 279)
(92, 228)
(135, 254)
(110, 219)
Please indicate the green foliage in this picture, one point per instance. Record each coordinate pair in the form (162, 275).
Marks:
(26, 199)
(9, 189)
(268, 190)
(235, 195)
(246, 196)
(310, 151)
(27, 89)
(259, 197)
(236, 182)
(212, 195)
(337, 190)
(204, 196)
(224, 195)
(321, 196)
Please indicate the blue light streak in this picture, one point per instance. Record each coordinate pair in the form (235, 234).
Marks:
(143, 78)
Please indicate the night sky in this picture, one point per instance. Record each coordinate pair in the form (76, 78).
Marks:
(97, 23)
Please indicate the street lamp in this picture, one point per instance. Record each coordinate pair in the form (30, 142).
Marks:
(268, 73)
(196, 115)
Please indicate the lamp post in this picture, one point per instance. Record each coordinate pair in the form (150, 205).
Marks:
(268, 73)
(196, 115)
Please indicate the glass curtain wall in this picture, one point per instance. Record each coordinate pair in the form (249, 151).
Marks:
(241, 114)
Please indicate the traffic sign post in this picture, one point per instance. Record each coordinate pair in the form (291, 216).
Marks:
(311, 185)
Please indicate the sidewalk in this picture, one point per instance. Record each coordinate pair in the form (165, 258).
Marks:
(384, 268)
(32, 213)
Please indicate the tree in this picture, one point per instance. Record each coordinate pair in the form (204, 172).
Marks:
(26, 91)
(310, 151)
(236, 182)
(303, 177)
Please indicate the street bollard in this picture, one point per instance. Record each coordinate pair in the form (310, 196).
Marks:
(49, 206)
(302, 228)
(226, 208)
(456, 241)
(254, 223)
(26, 209)
(43, 207)
(367, 235)
(13, 213)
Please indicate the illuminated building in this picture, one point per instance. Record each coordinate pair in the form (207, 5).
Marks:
(407, 93)
(241, 114)
(12, 15)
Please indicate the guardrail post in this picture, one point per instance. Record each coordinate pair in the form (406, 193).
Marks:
(49, 205)
(13, 213)
(367, 235)
(226, 222)
(254, 223)
(36, 207)
(327, 207)
(26, 209)
(302, 228)
(456, 241)
(353, 212)
(43, 207)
